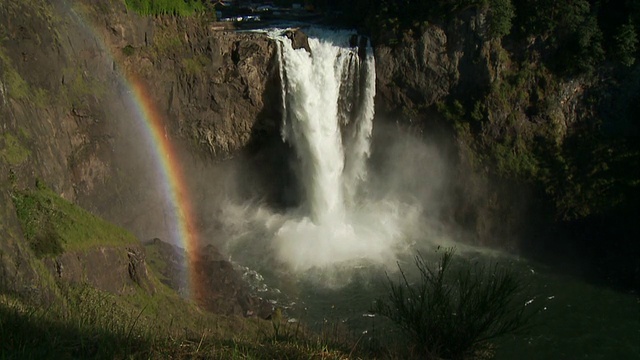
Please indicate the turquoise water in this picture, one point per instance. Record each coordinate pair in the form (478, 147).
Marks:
(575, 319)
(578, 321)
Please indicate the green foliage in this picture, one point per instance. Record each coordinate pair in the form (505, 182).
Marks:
(626, 44)
(451, 313)
(128, 50)
(12, 151)
(515, 160)
(165, 7)
(52, 225)
(568, 32)
(501, 12)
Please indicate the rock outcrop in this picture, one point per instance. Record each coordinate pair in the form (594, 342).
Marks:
(118, 270)
(220, 287)
(427, 66)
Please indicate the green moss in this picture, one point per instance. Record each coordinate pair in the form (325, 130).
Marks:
(79, 86)
(52, 225)
(41, 98)
(166, 41)
(128, 50)
(15, 85)
(13, 152)
(17, 88)
(195, 65)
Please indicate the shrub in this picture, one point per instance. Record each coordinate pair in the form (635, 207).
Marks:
(128, 50)
(501, 13)
(452, 314)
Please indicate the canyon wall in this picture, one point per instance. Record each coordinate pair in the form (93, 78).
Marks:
(76, 78)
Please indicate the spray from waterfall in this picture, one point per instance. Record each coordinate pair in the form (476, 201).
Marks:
(347, 215)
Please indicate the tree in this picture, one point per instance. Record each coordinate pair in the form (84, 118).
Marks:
(501, 12)
(626, 44)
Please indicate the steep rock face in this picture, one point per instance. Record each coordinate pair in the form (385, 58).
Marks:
(417, 72)
(69, 116)
(117, 270)
(417, 76)
(435, 79)
(426, 67)
(214, 86)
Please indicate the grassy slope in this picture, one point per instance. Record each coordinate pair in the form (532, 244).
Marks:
(88, 323)
(52, 225)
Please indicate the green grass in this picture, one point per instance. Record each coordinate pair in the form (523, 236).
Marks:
(165, 7)
(52, 225)
(84, 322)
(98, 325)
(12, 150)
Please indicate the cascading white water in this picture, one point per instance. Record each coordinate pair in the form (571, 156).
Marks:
(345, 219)
(328, 106)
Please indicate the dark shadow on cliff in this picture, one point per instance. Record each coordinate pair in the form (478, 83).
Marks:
(266, 169)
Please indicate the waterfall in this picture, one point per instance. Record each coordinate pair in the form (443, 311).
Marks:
(328, 108)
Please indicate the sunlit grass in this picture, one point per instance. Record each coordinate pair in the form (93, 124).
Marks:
(165, 7)
(53, 225)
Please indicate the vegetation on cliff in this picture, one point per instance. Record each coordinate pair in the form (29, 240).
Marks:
(573, 37)
(555, 114)
(165, 7)
(83, 321)
(53, 225)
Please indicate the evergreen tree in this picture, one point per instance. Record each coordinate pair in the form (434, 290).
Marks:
(626, 44)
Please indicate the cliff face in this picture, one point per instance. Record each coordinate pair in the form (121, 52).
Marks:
(68, 117)
(541, 158)
(417, 77)
(425, 67)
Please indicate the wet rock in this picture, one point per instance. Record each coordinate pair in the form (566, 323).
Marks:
(216, 285)
(299, 40)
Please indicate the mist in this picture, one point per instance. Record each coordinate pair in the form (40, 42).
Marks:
(353, 194)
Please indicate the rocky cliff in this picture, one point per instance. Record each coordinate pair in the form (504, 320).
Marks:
(542, 156)
(68, 118)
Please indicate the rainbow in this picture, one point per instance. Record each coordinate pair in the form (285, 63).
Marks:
(172, 175)
(167, 160)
